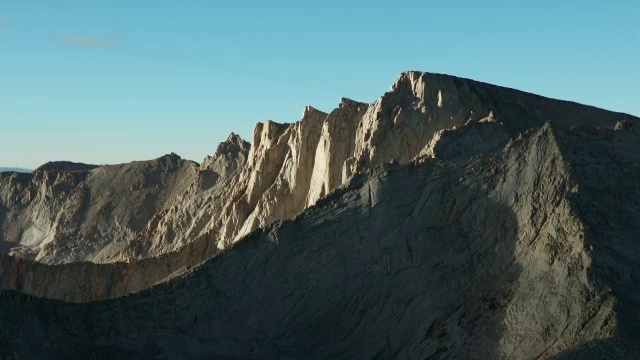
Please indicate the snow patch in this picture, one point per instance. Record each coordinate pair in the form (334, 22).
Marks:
(32, 237)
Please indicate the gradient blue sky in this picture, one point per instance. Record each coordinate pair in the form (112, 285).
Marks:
(130, 80)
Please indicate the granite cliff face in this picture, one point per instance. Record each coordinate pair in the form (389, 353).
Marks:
(448, 219)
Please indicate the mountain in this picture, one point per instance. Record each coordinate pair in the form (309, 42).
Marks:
(141, 210)
(448, 219)
(65, 166)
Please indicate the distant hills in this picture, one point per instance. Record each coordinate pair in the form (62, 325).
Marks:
(3, 169)
(53, 166)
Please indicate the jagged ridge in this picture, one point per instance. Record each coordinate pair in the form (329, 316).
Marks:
(288, 168)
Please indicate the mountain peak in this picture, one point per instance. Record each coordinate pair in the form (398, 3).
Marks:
(233, 143)
(65, 166)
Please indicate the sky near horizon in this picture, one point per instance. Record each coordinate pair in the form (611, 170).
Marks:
(132, 80)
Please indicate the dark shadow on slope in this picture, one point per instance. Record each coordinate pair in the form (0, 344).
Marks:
(606, 165)
(413, 263)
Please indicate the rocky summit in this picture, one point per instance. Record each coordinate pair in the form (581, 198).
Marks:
(449, 219)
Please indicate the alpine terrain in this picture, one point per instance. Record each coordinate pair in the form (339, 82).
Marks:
(449, 219)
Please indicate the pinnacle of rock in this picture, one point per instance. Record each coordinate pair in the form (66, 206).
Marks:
(229, 153)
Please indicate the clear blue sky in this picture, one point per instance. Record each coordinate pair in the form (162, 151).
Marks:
(130, 80)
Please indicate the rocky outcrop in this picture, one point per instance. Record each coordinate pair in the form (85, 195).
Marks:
(526, 252)
(290, 166)
(230, 156)
(466, 141)
(185, 220)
